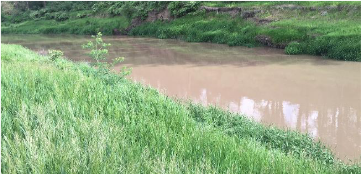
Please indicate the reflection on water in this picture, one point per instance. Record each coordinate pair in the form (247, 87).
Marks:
(292, 118)
(307, 121)
(310, 94)
(290, 112)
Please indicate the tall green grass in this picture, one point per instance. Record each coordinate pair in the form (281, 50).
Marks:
(203, 27)
(337, 35)
(61, 117)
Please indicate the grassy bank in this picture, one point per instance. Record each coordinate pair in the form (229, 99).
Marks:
(59, 116)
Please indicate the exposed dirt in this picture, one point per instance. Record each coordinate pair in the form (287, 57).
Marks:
(134, 23)
(233, 11)
(163, 15)
(252, 13)
(248, 14)
(267, 41)
(159, 15)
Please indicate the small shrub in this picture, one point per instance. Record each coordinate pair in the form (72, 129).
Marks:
(181, 8)
(81, 15)
(49, 16)
(293, 48)
(336, 47)
(43, 11)
(55, 54)
(99, 52)
(115, 8)
(97, 7)
(62, 17)
(284, 35)
(34, 14)
(128, 11)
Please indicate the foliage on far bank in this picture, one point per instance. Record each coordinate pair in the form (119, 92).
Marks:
(329, 29)
(202, 28)
(336, 40)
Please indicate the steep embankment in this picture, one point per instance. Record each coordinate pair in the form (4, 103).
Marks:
(58, 116)
(330, 29)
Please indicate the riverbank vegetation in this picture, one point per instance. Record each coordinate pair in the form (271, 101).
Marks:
(329, 29)
(299, 31)
(60, 116)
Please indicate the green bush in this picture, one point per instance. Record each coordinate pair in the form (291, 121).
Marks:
(20, 17)
(49, 16)
(55, 54)
(81, 15)
(237, 39)
(293, 48)
(285, 35)
(128, 11)
(43, 11)
(181, 8)
(115, 8)
(50, 30)
(99, 53)
(62, 17)
(5, 18)
(346, 48)
(136, 9)
(99, 6)
(336, 47)
(34, 14)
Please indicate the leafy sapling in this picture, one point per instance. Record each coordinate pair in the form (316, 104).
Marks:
(55, 54)
(99, 52)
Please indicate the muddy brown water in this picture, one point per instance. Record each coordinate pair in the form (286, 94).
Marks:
(306, 93)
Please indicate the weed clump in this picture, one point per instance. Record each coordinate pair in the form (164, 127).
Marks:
(293, 48)
(99, 53)
(55, 54)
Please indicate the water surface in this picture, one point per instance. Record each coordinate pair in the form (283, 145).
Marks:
(306, 93)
